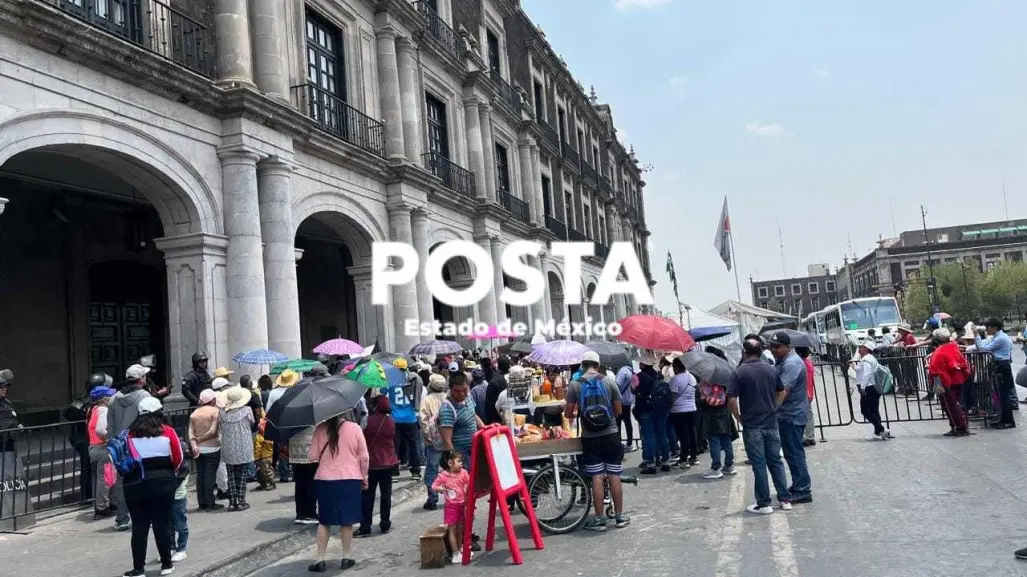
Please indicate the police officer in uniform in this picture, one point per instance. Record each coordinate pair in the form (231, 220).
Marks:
(196, 380)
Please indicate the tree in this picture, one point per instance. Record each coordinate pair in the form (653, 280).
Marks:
(966, 293)
(915, 302)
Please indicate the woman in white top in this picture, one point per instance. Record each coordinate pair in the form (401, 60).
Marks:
(683, 412)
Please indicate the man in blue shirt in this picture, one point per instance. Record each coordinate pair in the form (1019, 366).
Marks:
(1001, 348)
(405, 400)
(792, 415)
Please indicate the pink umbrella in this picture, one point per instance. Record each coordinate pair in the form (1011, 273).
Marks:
(339, 346)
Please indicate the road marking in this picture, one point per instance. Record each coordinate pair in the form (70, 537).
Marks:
(729, 556)
(781, 545)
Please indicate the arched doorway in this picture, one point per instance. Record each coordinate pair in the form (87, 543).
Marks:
(556, 297)
(457, 274)
(516, 314)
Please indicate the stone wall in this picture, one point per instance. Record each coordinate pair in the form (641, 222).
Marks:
(467, 13)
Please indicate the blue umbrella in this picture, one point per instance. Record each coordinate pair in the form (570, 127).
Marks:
(260, 357)
(708, 333)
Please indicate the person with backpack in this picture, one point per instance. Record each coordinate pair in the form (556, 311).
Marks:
(625, 378)
(96, 430)
(122, 412)
(147, 457)
(403, 399)
(869, 393)
(652, 408)
(595, 401)
(77, 413)
(718, 428)
(430, 406)
(951, 369)
(683, 413)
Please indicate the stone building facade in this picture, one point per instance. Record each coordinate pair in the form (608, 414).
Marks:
(797, 296)
(188, 175)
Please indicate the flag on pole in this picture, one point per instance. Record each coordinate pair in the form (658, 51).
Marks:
(672, 275)
(722, 241)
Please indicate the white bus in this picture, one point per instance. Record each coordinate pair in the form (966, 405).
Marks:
(847, 323)
(815, 326)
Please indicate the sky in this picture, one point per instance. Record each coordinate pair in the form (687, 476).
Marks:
(832, 122)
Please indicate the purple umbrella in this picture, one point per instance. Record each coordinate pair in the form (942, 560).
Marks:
(436, 348)
(558, 353)
(339, 346)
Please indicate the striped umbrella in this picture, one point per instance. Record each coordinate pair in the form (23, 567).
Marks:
(339, 346)
(260, 357)
(436, 348)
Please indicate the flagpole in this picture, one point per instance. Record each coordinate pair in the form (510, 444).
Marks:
(734, 261)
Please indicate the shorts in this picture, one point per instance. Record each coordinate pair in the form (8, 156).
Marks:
(453, 513)
(601, 455)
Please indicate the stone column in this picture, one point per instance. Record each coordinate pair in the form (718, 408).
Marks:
(269, 47)
(487, 306)
(611, 224)
(247, 299)
(410, 100)
(391, 102)
(419, 228)
(404, 297)
(489, 150)
(539, 308)
(475, 152)
(232, 32)
(536, 183)
(497, 280)
(527, 178)
(283, 307)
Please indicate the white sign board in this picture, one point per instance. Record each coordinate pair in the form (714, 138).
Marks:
(506, 469)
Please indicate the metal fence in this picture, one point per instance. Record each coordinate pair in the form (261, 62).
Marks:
(41, 470)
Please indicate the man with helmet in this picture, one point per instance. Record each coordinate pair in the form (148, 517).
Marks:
(76, 413)
(196, 380)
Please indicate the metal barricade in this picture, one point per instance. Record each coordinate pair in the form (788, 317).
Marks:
(40, 470)
(832, 397)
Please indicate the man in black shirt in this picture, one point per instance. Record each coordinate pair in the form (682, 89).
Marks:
(497, 384)
(196, 380)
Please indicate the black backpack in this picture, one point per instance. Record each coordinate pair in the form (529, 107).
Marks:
(661, 396)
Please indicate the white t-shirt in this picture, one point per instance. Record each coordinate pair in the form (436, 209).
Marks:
(683, 386)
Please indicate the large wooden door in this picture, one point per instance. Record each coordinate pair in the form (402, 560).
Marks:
(119, 334)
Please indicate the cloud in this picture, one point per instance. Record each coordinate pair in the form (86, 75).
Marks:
(678, 80)
(629, 5)
(767, 130)
(822, 73)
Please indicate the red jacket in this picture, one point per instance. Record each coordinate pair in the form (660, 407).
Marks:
(811, 387)
(949, 365)
(380, 434)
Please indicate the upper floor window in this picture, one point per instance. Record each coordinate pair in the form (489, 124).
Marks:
(829, 286)
(325, 66)
(502, 169)
(813, 288)
(561, 120)
(601, 235)
(547, 192)
(581, 141)
(587, 221)
(814, 303)
(492, 46)
(763, 292)
(568, 208)
(540, 101)
(779, 290)
(438, 135)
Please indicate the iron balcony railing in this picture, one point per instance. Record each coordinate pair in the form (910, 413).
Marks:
(569, 154)
(506, 92)
(601, 250)
(588, 173)
(153, 26)
(520, 209)
(604, 186)
(454, 176)
(341, 120)
(440, 31)
(557, 227)
(550, 133)
(576, 235)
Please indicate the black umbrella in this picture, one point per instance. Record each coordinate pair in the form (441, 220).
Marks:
(798, 338)
(521, 344)
(387, 358)
(310, 402)
(708, 367)
(611, 355)
(709, 333)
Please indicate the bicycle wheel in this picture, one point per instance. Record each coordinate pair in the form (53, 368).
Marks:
(563, 514)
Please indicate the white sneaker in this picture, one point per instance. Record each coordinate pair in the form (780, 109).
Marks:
(786, 505)
(757, 510)
(712, 474)
(178, 556)
(167, 571)
(873, 437)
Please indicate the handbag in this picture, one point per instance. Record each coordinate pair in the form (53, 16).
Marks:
(109, 476)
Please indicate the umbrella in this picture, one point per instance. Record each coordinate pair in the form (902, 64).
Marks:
(436, 348)
(1021, 377)
(260, 357)
(298, 365)
(654, 333)
(942, 316)
(339, 346)
(708, 367)
(387, 358)
(558, 353)
(538, 339)
(612, 355)
(798, 338)
(709, 333)
(310, 402)
(522, 344)
(374, 375)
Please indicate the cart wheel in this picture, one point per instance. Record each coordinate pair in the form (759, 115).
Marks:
(569, 511)
(609, 512)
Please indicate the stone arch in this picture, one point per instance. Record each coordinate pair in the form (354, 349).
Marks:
(184, 201)
(358, 238)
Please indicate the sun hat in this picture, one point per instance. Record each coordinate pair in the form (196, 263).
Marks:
(470, 365)
(149, 405)
(904, 327)
(219, 383)
(868, 344)
(288, 378)
(942, 334)
(207, 396)
(222, 372)
(136, 372)
(436, 382)
(235, 397)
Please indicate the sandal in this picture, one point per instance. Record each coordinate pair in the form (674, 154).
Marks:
(347, 563)
(319, 567)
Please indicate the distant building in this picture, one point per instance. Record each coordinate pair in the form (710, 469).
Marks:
(798, 296)
(897, 261)
(819, 269)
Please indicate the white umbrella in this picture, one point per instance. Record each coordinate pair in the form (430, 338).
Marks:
(538, 339)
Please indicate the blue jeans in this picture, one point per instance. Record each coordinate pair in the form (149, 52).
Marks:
(795, 455)
(431, 471)
(655, 447)
(718, 443)
(645, 430)
(763, 447)
(179, 524)
(672, 439)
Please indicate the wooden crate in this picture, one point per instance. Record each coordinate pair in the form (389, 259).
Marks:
(548, 447)
(433, 548)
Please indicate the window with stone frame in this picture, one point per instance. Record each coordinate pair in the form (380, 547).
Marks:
(779, 290)
(763, 292)
(325, 65)
(493, 55)
(813, 288)
(829, 286)
(568, 208)
(796, 288)
(587, 218)
(435, 118)
(540, 100)
(502, 168)
(547, 195)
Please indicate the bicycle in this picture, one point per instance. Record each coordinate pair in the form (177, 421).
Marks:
(562, 495)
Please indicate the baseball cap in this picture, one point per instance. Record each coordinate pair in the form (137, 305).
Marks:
(781, 338)
(590, 357)
(206, 396)
(136, 372)
(454, 367)
(219, 383)
(149, 405)
(6, 376)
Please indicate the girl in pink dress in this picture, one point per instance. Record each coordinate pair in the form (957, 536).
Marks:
(452, 482)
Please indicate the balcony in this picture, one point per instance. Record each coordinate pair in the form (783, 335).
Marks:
(157, 28)
(576, 236)
(602, 251)
(570, 155)
(520, 209)
(605, 187)
(588, 174)
(341, 120)
(506, 92)
(437, 28)
(455, 177)
(557, 227)
(550, 133)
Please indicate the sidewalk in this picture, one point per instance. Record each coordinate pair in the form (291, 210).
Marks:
(220, 543)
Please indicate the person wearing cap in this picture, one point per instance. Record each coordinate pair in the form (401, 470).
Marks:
(430, 406)
(792, 415)
(948, 367)
(403, 400)
(1001, 348)
(150, 489)
(652, 429)
(602, 452)
(206, 445)
(197, 379)
(124, 409)
(235, 424)
(869, 395)
(96, 431)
